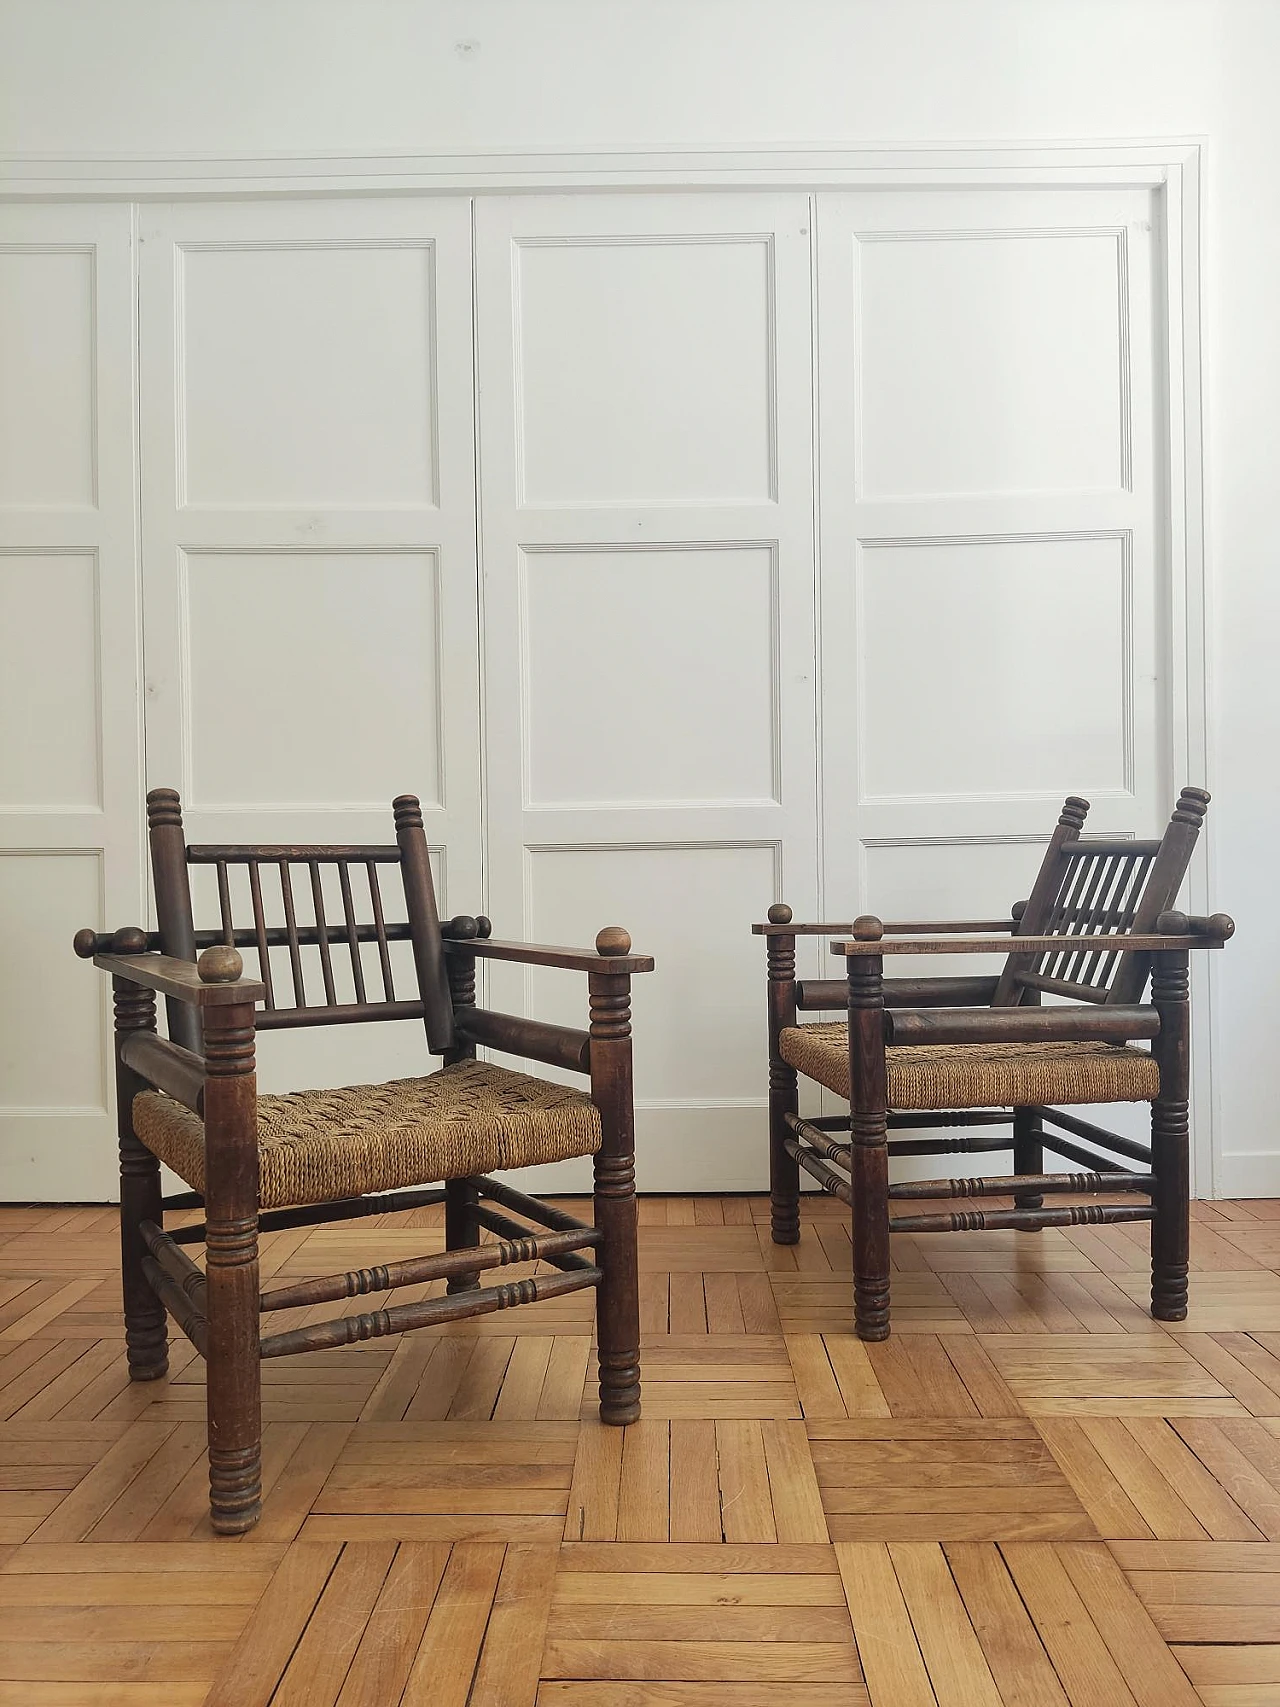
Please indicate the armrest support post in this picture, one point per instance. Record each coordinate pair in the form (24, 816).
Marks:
(612, 1091)
(1170, 1135)
(145, 1329)
(784, 1171)
(231, 1244)
(868, 1137)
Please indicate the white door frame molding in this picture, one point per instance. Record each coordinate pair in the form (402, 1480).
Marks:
(1171, 167)
(1150, 161)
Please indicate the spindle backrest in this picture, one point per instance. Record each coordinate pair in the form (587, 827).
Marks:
(270, 873)
(1099, 886)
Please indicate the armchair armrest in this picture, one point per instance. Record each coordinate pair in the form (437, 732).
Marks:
(612, 953)
(957, 992)
(893, 927)
(215, 980)
(1132, 943)
(1020, 1025)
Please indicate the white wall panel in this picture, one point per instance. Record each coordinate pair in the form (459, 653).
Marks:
(70, 712)
(53, 1053)
(341, 662)
(677, 324)
(992, 361)
(699, 1028)
(47, 418)
(976, 595)
(49, 673)
(307, 372)
(704, 619)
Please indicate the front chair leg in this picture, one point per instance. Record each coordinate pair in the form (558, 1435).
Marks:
(461, 1228)
(145, 1324)
(784, 1171)
(231, 1271)
(618, 1294)
(1170, 1140)
(869, 1137)
(1028, 1155)
(869, 1174)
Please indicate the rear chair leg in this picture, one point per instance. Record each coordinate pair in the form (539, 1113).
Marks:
(461, 1228)
(618, 1294)
(145, 1325)
(1028, 1156)
(784, 1170)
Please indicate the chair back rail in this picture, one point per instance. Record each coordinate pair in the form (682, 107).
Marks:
(323, 949)
(1098, 886)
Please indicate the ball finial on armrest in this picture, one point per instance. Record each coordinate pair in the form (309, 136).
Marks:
(867, 928)
(780, 913)
(613, 940)
(220, 964)
(85, 943)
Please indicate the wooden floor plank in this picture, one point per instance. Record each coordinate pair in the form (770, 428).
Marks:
(695, 1482)
(793, 1486)
(597, 1477)
(682, 1693)
(511, 1660)
(272, 1633)
(746, 1504)
(1153, 1675)
(644, 1487)
(1022, 1670)
(1073, 1641)
(319, 1664)
(953, 1657)
(445, 1664)
(888, 1652)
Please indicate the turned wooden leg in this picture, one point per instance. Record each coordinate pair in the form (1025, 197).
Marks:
(618, 1295)
(231, 1270)
(461, 1228)
(1170, 1138)
(784, 1099)
(869, 1138)
(1028, 1155)
(145, 1325)
(461, 1199)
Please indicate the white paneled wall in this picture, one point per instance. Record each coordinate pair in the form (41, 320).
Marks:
(70, 713)
(309, 542)
(647, 518)
(812, 550)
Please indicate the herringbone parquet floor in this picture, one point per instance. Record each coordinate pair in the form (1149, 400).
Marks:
(1031, 1495)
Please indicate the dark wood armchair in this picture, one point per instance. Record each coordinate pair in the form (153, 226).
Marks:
(260, 1162)
(981, 1052)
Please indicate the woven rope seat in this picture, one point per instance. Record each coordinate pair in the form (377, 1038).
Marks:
(317, 1146)
(981, 1075)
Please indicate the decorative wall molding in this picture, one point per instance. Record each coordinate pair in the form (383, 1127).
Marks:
(1125, 162)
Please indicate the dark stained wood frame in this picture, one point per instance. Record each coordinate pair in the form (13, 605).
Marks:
(208, 1064)
(1098, 922)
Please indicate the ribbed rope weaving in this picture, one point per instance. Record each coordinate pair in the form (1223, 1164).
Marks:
(315, 1146)
(981, 1075)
